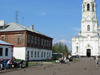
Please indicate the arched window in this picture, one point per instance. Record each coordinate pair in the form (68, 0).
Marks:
(88, 7)
(92, 7)
(77, 49)
(88, 28)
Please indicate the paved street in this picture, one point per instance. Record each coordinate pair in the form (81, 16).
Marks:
(82, 67)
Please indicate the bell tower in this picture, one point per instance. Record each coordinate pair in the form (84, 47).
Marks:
(89, 23)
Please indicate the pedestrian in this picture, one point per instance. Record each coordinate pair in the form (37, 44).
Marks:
(1, 64)
(65, 61)
(91, 58)
(27, 59)
(94, 58)
(97, 61)
(5, 63)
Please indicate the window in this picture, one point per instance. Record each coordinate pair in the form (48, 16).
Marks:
(44, 54)
(35, 53)
(41, 54)
(19, 38)
(88, 7)
(6, 52)
(49, 54)
(1, 51)
(32, 40)
(28, 39)
(88, 28)
(28, 53)
(31, 53)
(38, 53)
(38, 41)
(47, 43)
(35, 40)
(42, 42)
(3, 38)
(92, 7)
(76, 49)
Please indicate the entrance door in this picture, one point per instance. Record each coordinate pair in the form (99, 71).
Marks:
(88, 52)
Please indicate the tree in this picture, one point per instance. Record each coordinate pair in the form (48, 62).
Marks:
(60, 47)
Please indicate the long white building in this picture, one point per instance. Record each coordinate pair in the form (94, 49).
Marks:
(26, 41)
(88, 41)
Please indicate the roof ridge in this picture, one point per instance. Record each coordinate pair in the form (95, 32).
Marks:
(19, 25)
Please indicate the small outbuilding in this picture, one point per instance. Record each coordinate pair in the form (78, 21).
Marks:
(6, 50)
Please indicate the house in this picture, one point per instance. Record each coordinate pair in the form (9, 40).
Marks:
(26, 41)
(6, 50)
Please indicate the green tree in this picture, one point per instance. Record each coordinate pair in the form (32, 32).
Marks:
(60, 47)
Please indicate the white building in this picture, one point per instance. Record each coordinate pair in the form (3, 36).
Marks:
(88, 41)
(6, 50)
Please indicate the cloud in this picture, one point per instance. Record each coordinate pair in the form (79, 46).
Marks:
(76, 29)
(42, 13)
(63, 41)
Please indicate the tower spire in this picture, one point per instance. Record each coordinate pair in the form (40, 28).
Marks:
(89, 22)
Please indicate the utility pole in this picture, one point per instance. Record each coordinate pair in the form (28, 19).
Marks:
(23, 20)
(16, 16)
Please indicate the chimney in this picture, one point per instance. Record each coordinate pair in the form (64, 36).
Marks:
(2, 22)
(32, 27)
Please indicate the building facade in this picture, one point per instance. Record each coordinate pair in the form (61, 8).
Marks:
(6, 50)
(88, 41)
(26, 41)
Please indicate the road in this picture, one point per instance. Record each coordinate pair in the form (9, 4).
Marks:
(82, 67)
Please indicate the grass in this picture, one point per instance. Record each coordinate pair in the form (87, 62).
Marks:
(31, 64)
(18, 60)
(52, 61)
(74, 59)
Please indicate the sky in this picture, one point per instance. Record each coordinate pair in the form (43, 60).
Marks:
(59, 19)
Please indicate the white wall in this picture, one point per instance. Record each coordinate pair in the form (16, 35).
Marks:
(9, 51)
(21, 52)
(39, 50)
(83, 43)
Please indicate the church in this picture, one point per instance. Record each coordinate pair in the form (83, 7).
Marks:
(87, 44)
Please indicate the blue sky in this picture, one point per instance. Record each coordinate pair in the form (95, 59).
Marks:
(59, 19)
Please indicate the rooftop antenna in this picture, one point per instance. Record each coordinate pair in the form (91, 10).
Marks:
(23, 20)
(16, 16)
